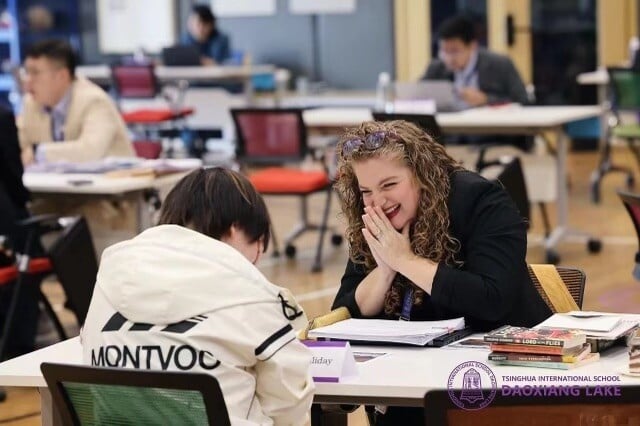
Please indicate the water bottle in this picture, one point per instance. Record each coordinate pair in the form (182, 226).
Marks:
(384, 95)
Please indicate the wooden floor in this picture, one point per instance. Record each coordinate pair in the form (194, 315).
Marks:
(610, 285)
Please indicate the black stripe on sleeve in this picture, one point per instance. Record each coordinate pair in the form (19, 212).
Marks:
(115, 322)
(180, 327)
(141, 326)
(275, 336)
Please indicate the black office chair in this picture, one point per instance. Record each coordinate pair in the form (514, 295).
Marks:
(580, 409)
(426, 122)
(121, 396)
(508, 172)
(71, 258)
(74, 263)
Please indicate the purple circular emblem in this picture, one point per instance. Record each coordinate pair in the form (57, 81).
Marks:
(472, 385)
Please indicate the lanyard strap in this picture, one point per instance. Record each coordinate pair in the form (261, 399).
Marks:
(407, 303)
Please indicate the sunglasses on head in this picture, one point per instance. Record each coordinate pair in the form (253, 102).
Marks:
(371, 142)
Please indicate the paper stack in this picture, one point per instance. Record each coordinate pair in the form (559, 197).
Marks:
(417, 333)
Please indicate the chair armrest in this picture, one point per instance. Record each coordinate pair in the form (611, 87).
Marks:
(42, 223)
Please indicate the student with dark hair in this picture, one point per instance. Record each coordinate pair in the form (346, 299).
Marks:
(204, 34)
(189, 288)
(66, 118)
(480, 77)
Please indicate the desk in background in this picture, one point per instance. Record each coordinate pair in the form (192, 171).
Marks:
(118, 198)
(101, 74)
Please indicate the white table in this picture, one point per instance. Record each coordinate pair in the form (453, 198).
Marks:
(200, 74)
(401, 377)
(516, 120)
(59, 185)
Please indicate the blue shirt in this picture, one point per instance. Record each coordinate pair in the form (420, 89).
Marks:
(58, 116)
(215, 47)
(468, 77)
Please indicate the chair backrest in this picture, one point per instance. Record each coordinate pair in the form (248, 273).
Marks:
(150, 150)
(135, 81)
(73, 257)
(625, 88)
(549, 410)
(631, 202)
(270, 136)
(426, 122)
(509, 173)
(574, 279)
(121, 396)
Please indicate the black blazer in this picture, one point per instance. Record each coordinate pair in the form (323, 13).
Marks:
(492, 287)
(13, 194)
(497, 77)
(10, 164)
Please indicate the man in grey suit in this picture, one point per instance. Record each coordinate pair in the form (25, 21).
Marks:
(480, 77)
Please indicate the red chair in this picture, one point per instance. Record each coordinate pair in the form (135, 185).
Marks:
(631, 202)
(272, 138)
(140, 82)
(149, 150)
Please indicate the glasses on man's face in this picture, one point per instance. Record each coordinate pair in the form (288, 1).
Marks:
(371, 142)
(30, 73)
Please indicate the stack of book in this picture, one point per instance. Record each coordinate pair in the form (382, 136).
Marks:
(545, 348)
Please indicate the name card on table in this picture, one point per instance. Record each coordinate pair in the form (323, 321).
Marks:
(332, 360)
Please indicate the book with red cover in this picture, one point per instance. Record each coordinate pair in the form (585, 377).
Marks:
(534, 349)
(538, 336)
(582, 352)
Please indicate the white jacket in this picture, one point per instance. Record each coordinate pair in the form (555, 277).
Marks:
(174, 299)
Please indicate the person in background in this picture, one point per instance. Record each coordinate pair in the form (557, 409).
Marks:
(480, 77)
(428, 240)
(193, 283)
(203, 33)
(66, 118)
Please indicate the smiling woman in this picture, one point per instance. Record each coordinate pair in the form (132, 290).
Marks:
(428, 239)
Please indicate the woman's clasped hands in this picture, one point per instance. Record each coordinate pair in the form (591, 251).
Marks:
(389, 247)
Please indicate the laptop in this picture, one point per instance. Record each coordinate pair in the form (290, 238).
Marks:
(441, 91)
(181, 56)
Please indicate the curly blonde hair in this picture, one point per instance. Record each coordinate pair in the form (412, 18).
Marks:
(431, 167)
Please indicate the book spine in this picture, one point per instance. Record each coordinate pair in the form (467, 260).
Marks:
(531, 357)
(542, 364)
(524, 341)
(544, 350)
